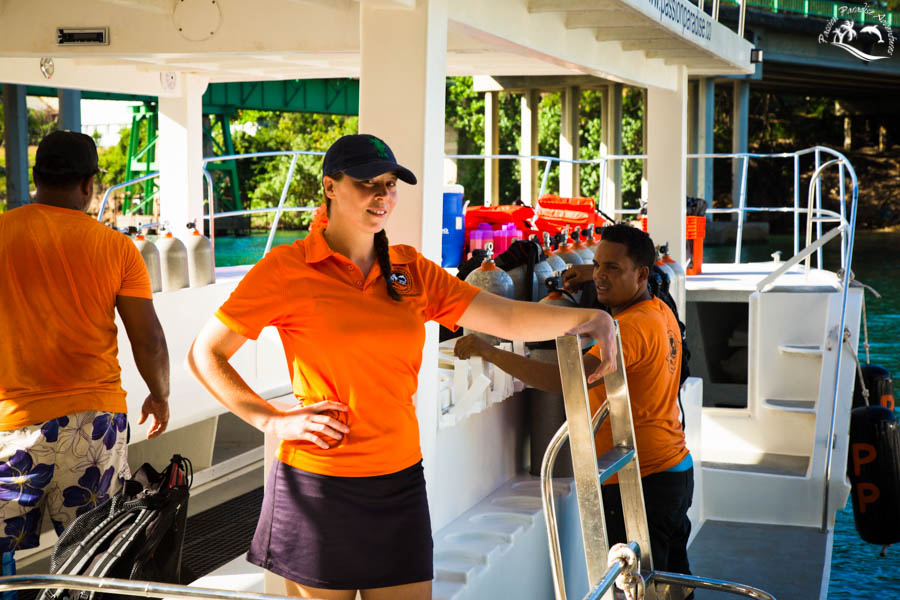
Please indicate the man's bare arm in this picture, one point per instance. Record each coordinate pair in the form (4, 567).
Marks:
(151, 355)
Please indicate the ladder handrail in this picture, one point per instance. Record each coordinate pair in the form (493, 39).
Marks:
(146, 589)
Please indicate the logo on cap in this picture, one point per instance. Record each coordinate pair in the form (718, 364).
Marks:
(381, 148)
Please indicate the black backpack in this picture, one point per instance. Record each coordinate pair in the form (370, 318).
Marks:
(137, 534)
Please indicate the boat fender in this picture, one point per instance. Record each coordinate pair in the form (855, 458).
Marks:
(873, 467)
(173, 262)
(150, 254)
(877, 383)
(201, 270)
(494, 280)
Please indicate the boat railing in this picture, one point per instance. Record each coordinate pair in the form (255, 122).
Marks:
(145, 589)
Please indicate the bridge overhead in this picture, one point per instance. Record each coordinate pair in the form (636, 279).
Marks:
(795, 61)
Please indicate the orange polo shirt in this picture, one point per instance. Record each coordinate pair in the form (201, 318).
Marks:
(345, 339)
(651, 347)
(60, 273)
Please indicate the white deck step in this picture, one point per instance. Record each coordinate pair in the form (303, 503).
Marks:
(801, 350)
(798, 406)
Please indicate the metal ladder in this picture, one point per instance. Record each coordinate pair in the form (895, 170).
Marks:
(632, 561)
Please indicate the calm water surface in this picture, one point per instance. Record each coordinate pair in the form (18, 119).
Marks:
(857, 570)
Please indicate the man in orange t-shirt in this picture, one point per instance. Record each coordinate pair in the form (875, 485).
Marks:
(63, 423)
(651, 348)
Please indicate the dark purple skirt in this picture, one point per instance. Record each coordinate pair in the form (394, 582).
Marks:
(345, 533)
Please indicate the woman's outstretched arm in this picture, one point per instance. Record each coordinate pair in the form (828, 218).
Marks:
(532, 321)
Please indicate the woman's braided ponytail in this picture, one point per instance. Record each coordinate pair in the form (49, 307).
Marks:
(383, 255)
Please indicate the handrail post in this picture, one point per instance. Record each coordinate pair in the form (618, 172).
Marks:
(211, 204)
(843, 211)
(818, 207)
(284, 193)
(601, 195)
(742, 204)
(544, 178)
(742, 17)
(796, 203)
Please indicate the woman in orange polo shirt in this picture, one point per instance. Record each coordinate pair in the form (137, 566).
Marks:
(345, 506)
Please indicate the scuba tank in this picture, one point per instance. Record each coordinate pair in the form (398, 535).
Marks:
(670, 274)
(590, 241)
(173, 262)
(565, 251)
(556, 263)
(201, 270)
(494, 280)
(558, 296)
(150, 254)
(542, 270)
(677, 284)
(587, 255)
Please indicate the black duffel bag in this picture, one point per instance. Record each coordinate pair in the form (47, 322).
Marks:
(137, 534)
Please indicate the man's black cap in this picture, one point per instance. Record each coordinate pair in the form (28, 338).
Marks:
(66, 154)
(363, 156)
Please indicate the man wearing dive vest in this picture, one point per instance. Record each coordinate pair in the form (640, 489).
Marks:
(651, 344)
(63, 422)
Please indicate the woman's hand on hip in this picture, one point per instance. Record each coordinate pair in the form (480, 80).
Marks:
(312, 423)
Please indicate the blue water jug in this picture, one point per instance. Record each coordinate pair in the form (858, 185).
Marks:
(453, 229)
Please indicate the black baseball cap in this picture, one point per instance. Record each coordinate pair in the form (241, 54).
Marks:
(363, 156)
(66, 154)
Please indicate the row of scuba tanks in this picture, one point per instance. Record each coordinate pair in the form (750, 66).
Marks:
(174, 264)
(508, 275)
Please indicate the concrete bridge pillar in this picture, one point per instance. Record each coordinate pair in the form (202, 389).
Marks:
(611, 143)
(491, 146)
(15, 128)
(528, 144)
(569, 184)
(69, 109)
(739, 139)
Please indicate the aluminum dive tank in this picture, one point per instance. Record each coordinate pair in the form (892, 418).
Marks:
(173, 262)
(586, 254)
(519, 275)
(565, 251)
(556, 263)
(150, 254)
(494, 280)
(556, 296)
(542, 270)
(201, 270)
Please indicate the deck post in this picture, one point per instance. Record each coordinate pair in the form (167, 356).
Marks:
(179, 152)
(491, 146)
(706, 112)
(666, 130)
(528, 145)
(568, 142)
(739, 139)
(611, 143)
(401, 99)
(15, 133)
(69, 109)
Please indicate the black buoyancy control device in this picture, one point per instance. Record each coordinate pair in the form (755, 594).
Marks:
(873, 467)
(876, 383)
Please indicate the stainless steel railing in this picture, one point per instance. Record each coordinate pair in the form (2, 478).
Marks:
(146, 589)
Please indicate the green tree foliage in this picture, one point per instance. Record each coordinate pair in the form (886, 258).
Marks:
(262, 179)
